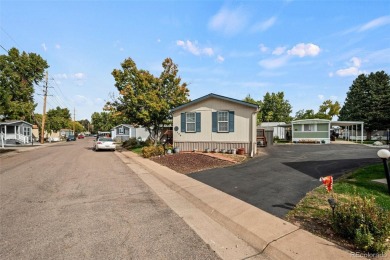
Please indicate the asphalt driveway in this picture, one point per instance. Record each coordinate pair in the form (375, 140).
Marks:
(277, 181)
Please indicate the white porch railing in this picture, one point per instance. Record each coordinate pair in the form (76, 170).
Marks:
(24, 139)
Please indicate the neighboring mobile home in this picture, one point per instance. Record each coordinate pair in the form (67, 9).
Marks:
(311, 130)
(16, 132)
(215, 122)
(124, 132)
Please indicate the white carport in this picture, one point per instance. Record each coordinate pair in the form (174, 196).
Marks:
(350, 126)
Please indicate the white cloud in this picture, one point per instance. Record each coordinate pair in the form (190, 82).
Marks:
(220, 59)
(303, 50)
(79, 76)
(375, 23)
(82, 100)
(274, 63)
(264, 25)
(44, 46)
(351, 71)
(58, 46)
(229, 21)
(193, 48)
(61, 76)
(263, 48)
(279, 51)
(208, 51)
(356, 62)
(321, 97)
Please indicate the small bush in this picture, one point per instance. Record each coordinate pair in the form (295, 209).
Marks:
(149, 151)
(364, 223)
(131, 143)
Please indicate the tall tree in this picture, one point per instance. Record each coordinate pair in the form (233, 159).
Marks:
(146, 100)
(304, 114)
(275, 108)
(249, 99)
(102, 121)
(57, 119)
(85, 123)
(328, 110)
(18, 74)
(368, 101)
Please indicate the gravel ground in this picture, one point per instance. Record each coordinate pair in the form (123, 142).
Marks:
(192, 162)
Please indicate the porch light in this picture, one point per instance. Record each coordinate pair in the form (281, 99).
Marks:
(384, 155)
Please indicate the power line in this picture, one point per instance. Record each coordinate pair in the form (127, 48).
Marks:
(59, 89)
(9, 37)
(4, 48)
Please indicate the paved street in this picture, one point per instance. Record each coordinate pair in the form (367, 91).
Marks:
(67, 202)
(277, 181)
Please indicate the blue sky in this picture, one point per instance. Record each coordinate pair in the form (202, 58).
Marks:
(310, 50)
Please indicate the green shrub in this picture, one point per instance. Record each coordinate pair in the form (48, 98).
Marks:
(131, 143)
(149, 151)
(364, 223)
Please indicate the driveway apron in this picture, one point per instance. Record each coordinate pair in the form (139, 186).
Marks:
(277, 181)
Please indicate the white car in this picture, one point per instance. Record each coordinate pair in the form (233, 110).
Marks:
(104, 143)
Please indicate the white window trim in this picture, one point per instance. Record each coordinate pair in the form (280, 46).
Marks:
(227, 121)
(312, 128)
(192, 123)
(121, 130)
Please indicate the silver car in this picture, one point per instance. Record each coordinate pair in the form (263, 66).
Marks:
(104, 143)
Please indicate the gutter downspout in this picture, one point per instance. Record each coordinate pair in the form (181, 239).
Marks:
(252, 133)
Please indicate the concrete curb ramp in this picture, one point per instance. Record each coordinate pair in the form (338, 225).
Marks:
(272, 236)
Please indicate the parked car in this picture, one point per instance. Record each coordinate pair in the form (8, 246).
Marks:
(71, 138)
(104, 143)
(80, 136)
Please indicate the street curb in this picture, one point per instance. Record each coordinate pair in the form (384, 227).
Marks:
(268, 234)
(23, 149)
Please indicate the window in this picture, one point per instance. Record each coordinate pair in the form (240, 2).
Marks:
(308, 128)
(223, 121)
(121, 130)
(26, 131)
(190, 122)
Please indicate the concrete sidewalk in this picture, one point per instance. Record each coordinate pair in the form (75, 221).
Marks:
(272, 236)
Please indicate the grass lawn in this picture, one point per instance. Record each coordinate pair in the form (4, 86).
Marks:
(314, 214)
(137, 150)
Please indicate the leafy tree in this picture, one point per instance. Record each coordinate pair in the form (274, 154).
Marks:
(78, 128)
(249, 99)
(102, 121)
(146, 100)
(328, 110)
(57, 119)
(85, 123)
(274, 108)
(18, 74)
(368, 101)
(304, 114)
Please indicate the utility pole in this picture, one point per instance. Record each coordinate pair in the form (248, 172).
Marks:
(44, 109)
(74, 121)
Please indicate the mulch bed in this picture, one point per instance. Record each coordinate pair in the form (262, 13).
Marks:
(190, 162)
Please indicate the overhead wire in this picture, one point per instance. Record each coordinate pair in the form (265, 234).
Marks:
(17, 44)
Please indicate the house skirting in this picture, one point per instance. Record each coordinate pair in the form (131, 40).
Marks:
(202, 146)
